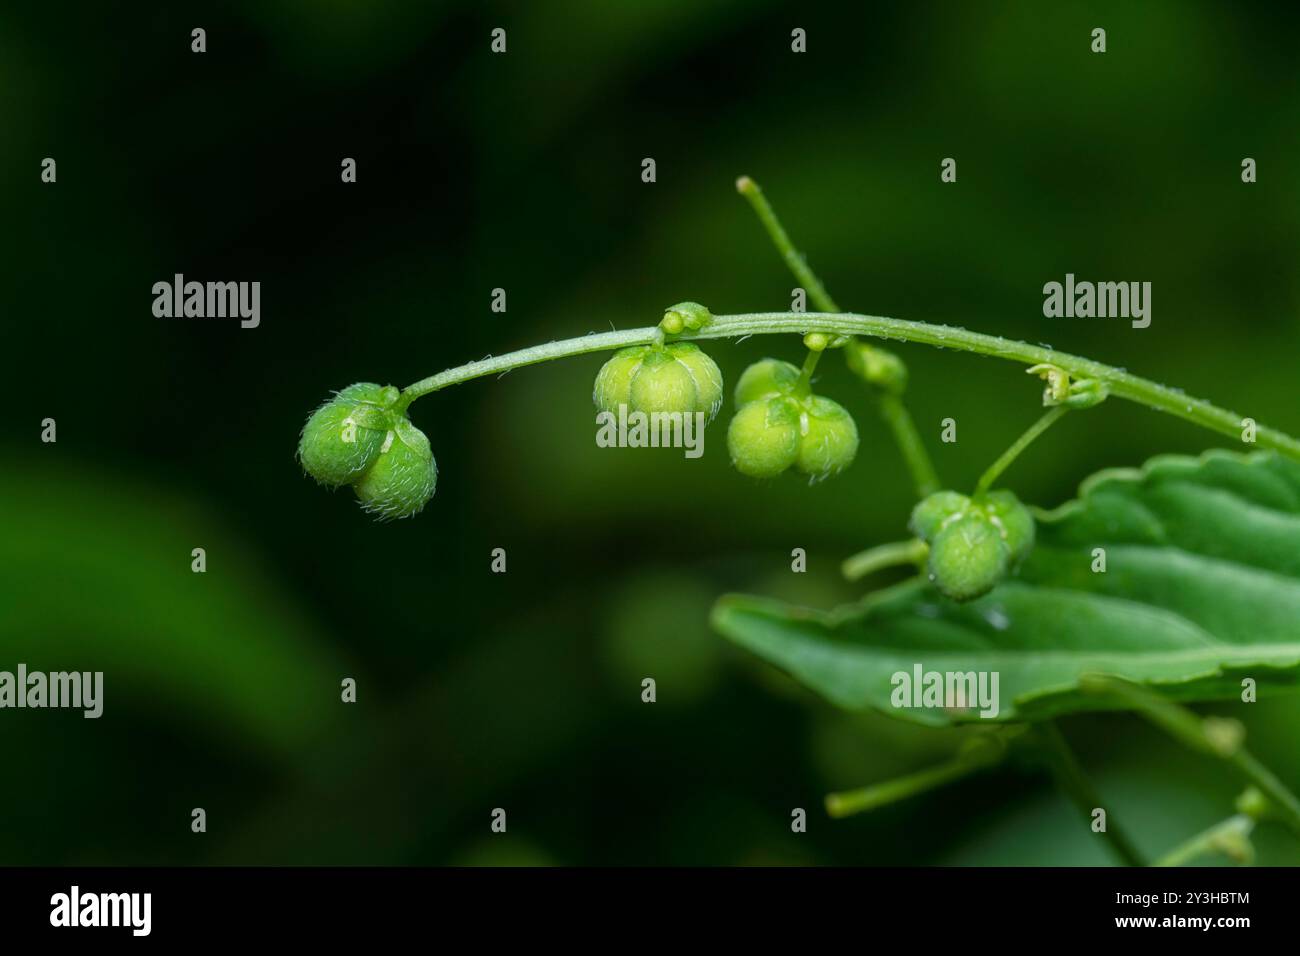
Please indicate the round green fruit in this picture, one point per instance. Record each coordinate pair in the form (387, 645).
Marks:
(403, 477)
(932, 512)
(828, 440)
(1012, 520)
(677, 377)
(967, 558)
(342, 438)
(764, 437)
(766, 378)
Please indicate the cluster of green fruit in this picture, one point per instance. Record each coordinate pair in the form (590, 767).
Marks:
(974, 542)
(780, 424)
(360, 438)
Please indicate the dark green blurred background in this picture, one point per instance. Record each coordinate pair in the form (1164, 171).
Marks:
(521, 171)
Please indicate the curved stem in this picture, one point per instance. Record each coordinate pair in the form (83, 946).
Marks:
(969, 761)
(1283, 800)
(1208, 735)
(1121, 383)
(900, 422)
(1071, 778)
(890, 406)
(884, 556)
(793, 258)
(1020, 444)
(1231, 837)
(500, 364)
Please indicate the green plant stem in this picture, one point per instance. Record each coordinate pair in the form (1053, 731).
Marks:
(1121, 383)
(1071, 778)
(500, 364)
(1281, 798)
(1219, 838)
(891, 407)
(884, 556)
(877, 795)
(1209, 735)
(900, 422)
(995, 470)
(793, 258)
(804, 385)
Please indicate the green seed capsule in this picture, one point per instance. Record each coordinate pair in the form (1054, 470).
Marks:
(930, 514)
(1013, 521)
(764, 437)
(877, 366)
(994, 533)
(343, 437)
(709, 391)
(614, 380)
(404, 476)
(662, 384)
(828, 439)
(677, 377)
(766, 378)
(967, 558)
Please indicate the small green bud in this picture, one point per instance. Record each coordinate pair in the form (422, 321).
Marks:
(821, 341)
(677, 377)
(1014, 523)
(877, 367)
(343, 437)
(828, 439)
(1087, 392)
(764, 437)
(404, 476)
(1224, 735)
(1057, 389)
(967, 558)
(930, 514)
(1061, 390)
(766, 378)
(685, 315)
(1254, 804)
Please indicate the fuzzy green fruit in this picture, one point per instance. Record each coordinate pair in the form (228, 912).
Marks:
(1013, 521)
(967, 558)
(828, 439)
(994, 533)
(764, 436)
(343, 437)
(766, 378)
(931, 513)
(403, 477)
(677, 377)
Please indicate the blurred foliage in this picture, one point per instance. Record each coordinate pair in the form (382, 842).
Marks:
(522, 172)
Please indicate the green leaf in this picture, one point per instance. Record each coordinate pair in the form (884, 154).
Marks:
(1201, 589)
